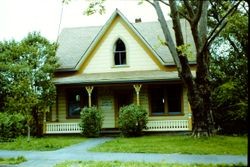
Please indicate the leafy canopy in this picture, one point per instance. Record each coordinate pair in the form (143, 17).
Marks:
(26, 72)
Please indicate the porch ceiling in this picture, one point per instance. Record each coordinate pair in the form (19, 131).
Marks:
(118, 77)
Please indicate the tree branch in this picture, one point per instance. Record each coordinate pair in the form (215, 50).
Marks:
(162, 1)
(167, 35)
(233, 45)
(150, 2)
(221, 24)
(211, 38)
(185, 16)
(189, 8)
(176, 23)
(198, 14)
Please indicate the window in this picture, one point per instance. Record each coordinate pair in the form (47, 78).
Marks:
(157, 101)
(119, 53)
(174, 99)
(77, 99)
(166, 99)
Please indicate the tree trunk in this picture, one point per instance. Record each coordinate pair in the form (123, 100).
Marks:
(199, 88)
(38, 123)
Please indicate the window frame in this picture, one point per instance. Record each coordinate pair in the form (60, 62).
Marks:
(118, 53)
(164, 89)
(72, 93)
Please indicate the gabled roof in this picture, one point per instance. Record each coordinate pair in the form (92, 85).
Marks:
(76, 43)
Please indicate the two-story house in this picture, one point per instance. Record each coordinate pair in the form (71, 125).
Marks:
(114, 65)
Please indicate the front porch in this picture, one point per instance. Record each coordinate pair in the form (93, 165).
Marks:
(164, 125)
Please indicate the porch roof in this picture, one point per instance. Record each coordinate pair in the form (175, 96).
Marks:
(118, 77)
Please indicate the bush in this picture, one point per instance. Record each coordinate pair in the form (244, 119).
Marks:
(11, 126)
(132, 120)
(91, 121)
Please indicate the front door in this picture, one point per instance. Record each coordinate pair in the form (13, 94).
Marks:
(122, 98)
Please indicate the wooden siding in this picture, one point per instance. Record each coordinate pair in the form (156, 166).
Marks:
(102, 59)
(106, 103)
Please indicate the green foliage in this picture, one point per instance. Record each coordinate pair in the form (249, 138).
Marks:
(132, 120)
(26, 72)
(91, 121)
(94, 7)
(11, 126)
(229, 71)
(186, 50)
(12, 161)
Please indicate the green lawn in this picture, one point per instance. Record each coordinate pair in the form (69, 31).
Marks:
(177, 144)
(46, 143)
(12, 161)
(135, 164)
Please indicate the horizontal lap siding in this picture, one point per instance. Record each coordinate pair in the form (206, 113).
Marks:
(103, 57)
(144, 98)
(62, 105)
(106, 104)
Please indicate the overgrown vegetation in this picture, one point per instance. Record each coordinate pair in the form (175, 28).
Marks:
(91, 121)
(12, 161)
(229, 71)
(11, 126)
(46, 143)
(132, 120)
(177, 144)
(138, 164)
(26, 72)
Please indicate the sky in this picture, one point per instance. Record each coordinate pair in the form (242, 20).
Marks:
(19, 17)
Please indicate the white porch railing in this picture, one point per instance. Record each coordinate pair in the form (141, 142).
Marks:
(60, 128)
(166, 125)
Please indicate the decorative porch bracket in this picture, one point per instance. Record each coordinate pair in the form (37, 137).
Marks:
(137, 90)
(89, 90)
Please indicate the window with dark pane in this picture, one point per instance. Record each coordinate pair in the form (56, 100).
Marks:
(77, 99)
(157, 101)
(174, 94)
(120, 53)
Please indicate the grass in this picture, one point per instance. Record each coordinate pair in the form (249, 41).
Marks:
(12, 161)
(177, 144)
(46, 143)
(136, 164)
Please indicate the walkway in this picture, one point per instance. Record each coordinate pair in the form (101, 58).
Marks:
(80, 152)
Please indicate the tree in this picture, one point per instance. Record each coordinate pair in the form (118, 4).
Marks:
(26, 76)
(199, 90)
(229, 71)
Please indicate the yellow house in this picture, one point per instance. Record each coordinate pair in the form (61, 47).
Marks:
(115, 65)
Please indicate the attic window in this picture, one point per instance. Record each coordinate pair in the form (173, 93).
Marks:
(120, 53)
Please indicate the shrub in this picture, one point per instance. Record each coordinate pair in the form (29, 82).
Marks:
(91, 121)
(11, 126)
(132, 120)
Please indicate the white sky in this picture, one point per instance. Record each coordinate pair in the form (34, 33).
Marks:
(18, 17)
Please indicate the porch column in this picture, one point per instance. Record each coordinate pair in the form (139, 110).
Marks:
(89, 90)
(137, 90)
